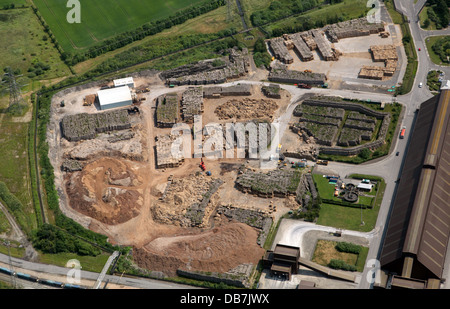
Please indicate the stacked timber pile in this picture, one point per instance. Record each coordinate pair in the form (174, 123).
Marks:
(300, 46)
(192, 103)
(253, 217)
(271, 91)
(352, 28)
(71, 165)
(209, 72)
(324, 46)
(196, 212)
(353, 137)
(167, 110)
(86, 126)
(235, 90)
(309, 40)
(296, 77)
(281, 183)
(280, 50)
(164, 154)
(381, 53)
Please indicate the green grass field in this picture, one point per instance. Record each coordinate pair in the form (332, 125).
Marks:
(14, 171)
(102, 19)
(23, 44)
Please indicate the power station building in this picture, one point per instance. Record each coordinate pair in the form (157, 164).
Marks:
(414, 250)
(114, 97)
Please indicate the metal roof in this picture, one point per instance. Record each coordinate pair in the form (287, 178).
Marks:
(123, 81)
(435, 184)
(419, 225)
(366, 186)
(114, 95)
(403, 201)
(286, 250)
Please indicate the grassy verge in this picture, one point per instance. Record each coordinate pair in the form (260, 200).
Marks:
(13, 249)
(423, 16)
(410, 50)
(207, 23)
(430, 42)
(88, 263)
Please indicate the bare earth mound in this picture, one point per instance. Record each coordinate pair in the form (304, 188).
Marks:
(107, 190)
(217, 250)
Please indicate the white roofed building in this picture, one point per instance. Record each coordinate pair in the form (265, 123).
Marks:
(114, 97)
(365, 186)
(128, 81)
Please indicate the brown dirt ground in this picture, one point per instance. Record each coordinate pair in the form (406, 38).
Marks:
(216, 250)
(129, 221)
(107, 189)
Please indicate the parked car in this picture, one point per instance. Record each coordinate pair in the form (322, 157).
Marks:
(420, 85)
(397, 153)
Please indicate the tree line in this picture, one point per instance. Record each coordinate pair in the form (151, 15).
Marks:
(438, 13)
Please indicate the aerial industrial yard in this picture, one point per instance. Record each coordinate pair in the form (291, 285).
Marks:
(289, 154)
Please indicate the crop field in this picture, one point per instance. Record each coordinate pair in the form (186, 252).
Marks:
(102, 19)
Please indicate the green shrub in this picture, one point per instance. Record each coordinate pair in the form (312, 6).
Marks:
(339, 264)
(343, 246)
(50, 239)
(11, 201)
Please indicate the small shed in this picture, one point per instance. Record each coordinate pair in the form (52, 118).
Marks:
(365, 186)
(128, 81)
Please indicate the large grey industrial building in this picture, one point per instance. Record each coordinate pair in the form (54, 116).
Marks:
(413, 254)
